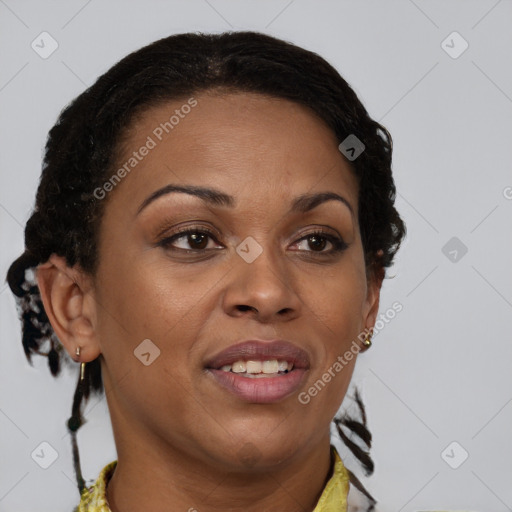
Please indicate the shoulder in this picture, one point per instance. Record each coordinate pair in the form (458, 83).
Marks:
(93, 498)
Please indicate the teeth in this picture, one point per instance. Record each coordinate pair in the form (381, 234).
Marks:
(238, 367)
(253, 368)
(270, 366)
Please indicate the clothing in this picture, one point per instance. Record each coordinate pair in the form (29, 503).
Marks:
(333, 498)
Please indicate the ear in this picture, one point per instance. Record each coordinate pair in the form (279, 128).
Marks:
(371, 306)
(68, 300)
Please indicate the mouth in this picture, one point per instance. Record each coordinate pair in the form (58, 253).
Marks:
(260, 371)
(254, 369)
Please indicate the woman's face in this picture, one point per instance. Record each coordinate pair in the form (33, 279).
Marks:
(253, 267)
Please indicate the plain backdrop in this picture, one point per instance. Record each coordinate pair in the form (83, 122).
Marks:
(437, 382)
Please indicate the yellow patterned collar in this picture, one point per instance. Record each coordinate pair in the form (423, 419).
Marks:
(333, 498)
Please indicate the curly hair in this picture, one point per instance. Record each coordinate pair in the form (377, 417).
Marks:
(82, 147)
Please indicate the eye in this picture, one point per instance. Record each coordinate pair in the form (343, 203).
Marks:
(195, 238)
(318, 241)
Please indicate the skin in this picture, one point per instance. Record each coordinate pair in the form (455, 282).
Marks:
(180, 437)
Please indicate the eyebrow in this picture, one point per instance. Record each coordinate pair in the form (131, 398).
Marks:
(303, 203)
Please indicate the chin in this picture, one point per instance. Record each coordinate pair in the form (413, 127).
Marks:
(257, 453)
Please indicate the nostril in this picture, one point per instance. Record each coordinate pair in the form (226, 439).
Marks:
(243, 307)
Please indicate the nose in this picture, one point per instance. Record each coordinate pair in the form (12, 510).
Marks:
(263, 289)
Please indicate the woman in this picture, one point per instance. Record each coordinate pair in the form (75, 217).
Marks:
(211, 231)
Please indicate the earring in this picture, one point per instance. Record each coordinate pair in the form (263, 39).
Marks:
(368, 340)
(82, 365)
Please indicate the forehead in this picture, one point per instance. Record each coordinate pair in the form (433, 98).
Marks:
(241, 142)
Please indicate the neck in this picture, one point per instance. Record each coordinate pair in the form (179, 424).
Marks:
(150, 475)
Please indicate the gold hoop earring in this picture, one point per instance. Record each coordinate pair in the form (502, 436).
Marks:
(368, 340)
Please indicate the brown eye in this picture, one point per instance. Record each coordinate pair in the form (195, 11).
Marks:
(190, 240)
(318, 241)
(198, 240)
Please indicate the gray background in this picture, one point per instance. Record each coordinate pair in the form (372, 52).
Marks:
(440, 371)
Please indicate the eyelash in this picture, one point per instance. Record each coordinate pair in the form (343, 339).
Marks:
(338, 244)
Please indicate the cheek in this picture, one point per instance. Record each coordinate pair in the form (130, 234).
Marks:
(147, 302)
(151, 300)
(338, 300)
(337, 305)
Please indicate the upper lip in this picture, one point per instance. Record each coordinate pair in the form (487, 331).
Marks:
(258, 350)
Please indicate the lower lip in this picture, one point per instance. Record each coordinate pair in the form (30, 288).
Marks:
(263, 390)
